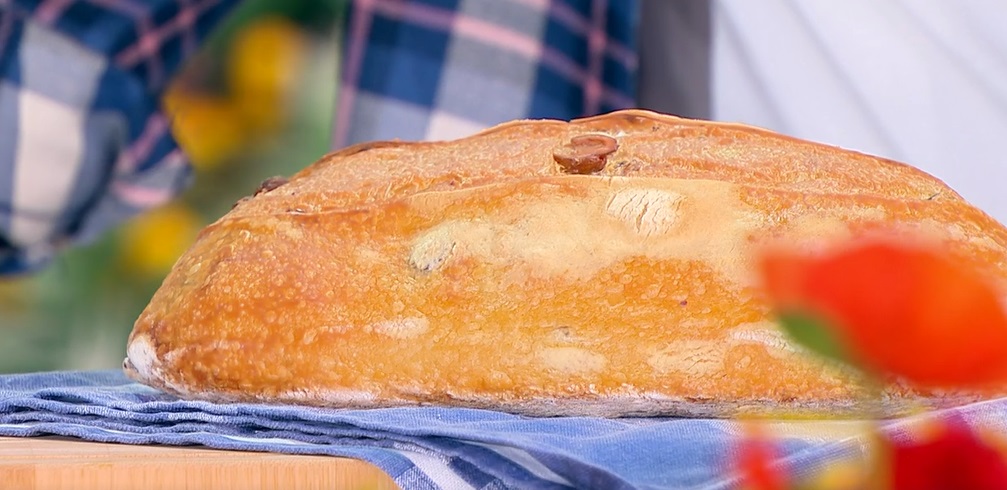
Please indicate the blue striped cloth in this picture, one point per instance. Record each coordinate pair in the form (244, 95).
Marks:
(436, 448)
(420, 448)
(83, 144)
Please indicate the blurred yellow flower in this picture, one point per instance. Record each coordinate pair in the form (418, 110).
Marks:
(209, 129)
(153, 242)
(263, 67)
(840, 475)
(13, 294)
(265, 64)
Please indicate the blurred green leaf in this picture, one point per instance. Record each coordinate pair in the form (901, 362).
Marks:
(814, 333)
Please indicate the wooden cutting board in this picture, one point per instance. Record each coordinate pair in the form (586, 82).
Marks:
(53, 463)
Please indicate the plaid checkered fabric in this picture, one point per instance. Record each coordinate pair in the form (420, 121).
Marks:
(83, 145)
(441, 69)
(82, 142)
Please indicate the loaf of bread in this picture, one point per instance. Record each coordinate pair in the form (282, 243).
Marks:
(599, 267)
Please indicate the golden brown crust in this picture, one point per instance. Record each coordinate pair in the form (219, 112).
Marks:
(484, 272)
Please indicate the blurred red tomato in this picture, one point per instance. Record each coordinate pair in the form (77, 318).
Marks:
(894, 309)
(755, 455)
(953, 458)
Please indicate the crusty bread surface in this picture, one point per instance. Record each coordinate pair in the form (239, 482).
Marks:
(602, 266)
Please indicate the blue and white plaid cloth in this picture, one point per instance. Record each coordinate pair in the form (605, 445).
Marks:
(83, 144)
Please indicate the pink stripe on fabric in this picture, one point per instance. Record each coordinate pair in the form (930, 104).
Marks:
(573, 72)
(148, 42)
(467, 26)
(616, 99)
(564, 65)
(536, 4)
(144, 43)
(151, 39)
(562, 13)
(130, 8)
(50, 10)
(622, 54)
(592, 96)
(140, 149)
(582, 25)
(471, 27)
(596, 56)
(498, 36)
(6, 23)
(573, 19)
(139, 196)
(360, 28)
(187, 20)
(417, 13)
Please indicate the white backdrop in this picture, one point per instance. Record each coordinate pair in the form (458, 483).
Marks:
(919, 81)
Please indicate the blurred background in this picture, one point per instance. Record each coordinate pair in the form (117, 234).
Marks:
(256, 102)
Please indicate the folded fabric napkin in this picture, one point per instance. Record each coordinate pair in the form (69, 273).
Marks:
(427, 447)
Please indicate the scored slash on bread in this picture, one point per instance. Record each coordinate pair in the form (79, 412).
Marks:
(596, 267)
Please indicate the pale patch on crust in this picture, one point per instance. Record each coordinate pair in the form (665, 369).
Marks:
(778, 345)
(141, 358)
(692, 357)
(572, 360)
(432, 249)
(816, 228)
(550, 232)
(937, 231)
(287, 227)
(143, 365)
(402, 328)
(765, 334)
(647, 212)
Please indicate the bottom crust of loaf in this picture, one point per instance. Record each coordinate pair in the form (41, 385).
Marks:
(637, 405)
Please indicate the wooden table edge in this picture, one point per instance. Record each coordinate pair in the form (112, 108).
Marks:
(58, 463)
